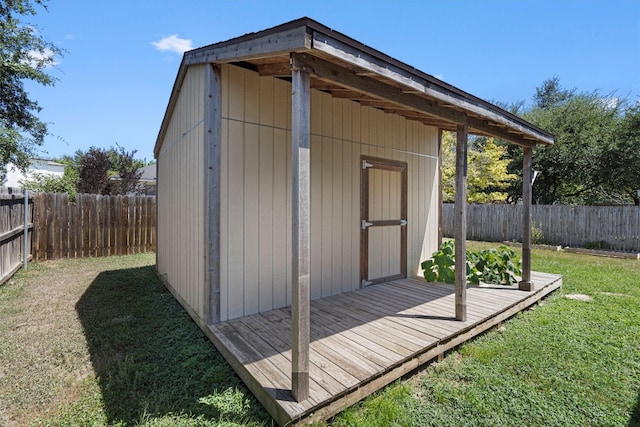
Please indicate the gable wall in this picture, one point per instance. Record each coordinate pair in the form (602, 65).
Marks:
(255, 192)
(180, 245)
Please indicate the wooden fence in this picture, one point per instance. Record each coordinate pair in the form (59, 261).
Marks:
(12, 229)
(575, 226)
(92, 226)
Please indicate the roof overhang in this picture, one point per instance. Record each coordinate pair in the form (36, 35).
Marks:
(349, 69)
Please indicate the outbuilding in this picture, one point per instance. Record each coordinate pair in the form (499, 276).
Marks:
(296, 164)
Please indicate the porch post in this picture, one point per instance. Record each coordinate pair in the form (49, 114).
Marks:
(300, 248)
(212, 119)
(461, 222)
(440, 195)
(526, 284)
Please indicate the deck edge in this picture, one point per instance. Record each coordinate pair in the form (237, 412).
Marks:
(354, 395)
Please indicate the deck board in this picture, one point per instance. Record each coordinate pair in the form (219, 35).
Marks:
(362, 340)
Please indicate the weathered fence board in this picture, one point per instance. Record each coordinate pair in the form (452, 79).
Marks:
(12, 229)
(617, 226)
(93, 226)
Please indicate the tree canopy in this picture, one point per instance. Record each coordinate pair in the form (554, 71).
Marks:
(25, 55)
(93, 172)
(487, 175)
(596, 157)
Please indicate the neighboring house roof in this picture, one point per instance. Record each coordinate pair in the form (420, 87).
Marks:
(37, 166)
(349, 69)
(148, 175)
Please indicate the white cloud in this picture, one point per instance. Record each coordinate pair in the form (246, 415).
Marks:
(173, 44)
(45, 58)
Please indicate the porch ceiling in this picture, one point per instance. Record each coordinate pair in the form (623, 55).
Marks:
(348, 69)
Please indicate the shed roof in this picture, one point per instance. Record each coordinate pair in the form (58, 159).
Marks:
(349, 69)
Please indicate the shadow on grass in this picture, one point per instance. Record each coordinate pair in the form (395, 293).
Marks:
(151, 360)
(635, 415)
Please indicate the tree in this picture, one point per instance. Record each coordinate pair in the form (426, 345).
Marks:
(93, 176)
(98, 166)
(595, 158)
(487, 175)
(127, 169)
(24, 56)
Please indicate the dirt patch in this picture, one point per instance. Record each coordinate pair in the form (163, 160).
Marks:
(614, 294)
(579, 297)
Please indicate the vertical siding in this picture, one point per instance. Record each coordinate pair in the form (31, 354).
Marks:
(180, 196)
(255, 195)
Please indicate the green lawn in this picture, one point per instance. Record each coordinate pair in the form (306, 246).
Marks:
(101, 342)
(565, 363)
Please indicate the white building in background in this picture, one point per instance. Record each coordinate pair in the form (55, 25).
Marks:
(15, 176)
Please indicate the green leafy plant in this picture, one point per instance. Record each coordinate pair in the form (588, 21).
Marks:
(500, 266)
(537, 236)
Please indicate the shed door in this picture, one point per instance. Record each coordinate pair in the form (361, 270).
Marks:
(383, 213)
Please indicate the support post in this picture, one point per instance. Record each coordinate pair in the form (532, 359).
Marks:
(25, 230)
(440, 195)
(212, 148)
(461, 222)
(300, 247)
(526, 284)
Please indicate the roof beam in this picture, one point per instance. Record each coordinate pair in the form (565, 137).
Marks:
(331, 72)
(276, 69)
(417, 85)
(243, 49)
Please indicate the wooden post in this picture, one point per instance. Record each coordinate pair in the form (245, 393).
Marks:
(461, 222)
(212, 119)
(526, 284)
(440, 195)
(300, 247)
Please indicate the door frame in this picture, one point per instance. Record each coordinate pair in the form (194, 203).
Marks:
(368, 162)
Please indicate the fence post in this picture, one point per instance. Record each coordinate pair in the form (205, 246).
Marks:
(25, 248)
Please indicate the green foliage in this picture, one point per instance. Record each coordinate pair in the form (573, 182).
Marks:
(499, 266)
(24, 56)
(487, 175)
(441, 266)
(537, 236)
(53, 184)
(596, 157)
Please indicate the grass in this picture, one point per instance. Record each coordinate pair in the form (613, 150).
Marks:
(565, 363)
(101, 342)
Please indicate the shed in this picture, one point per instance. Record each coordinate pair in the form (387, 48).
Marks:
(296, 164)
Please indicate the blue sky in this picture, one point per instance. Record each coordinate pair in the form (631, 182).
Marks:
(122, 56)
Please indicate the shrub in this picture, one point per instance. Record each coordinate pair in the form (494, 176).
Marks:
(499, 266)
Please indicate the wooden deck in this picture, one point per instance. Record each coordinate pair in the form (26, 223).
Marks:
(362, 340)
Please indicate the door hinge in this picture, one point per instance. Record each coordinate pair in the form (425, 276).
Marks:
(365, 283)
(366, 165)
(403, 222)
(366, 224)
